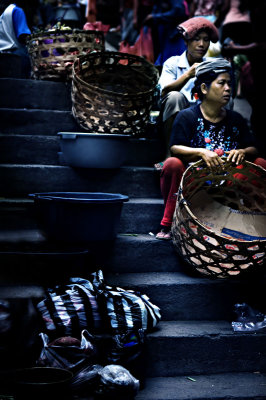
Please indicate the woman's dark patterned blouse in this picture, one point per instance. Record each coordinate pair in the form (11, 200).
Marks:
(193, 130)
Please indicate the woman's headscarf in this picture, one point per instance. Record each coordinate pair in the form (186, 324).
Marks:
(193, 26)
(207, 71)
(217, 65)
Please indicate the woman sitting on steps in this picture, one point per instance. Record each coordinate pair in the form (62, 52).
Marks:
(205, 131)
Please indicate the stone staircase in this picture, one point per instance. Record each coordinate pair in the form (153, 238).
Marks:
(194, 354)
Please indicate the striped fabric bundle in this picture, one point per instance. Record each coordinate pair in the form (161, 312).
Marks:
(92, 305)
(128, 310)
(68, 309)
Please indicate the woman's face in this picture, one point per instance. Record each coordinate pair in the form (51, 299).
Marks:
(197, 47)
(219, 90)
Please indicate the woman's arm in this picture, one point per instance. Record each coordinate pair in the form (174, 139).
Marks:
(230, 49)
(211, 158)
(180, 82)
(190, 154)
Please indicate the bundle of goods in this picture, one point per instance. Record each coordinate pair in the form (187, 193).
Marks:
(219, 225)
(112, 92)
(92, 304)
(86, 324)
(53, 52)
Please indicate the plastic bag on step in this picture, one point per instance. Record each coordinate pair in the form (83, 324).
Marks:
(126, 347)
(87, 379)
(116, 382)
(248, 319)
(68, 352)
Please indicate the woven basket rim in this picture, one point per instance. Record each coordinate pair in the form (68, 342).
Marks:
(63, 32)
(105, 91)
(197, 221)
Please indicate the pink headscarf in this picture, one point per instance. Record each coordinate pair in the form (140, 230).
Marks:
(192, 26)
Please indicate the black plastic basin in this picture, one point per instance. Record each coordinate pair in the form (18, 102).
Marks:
(79, 216)
(42, 383)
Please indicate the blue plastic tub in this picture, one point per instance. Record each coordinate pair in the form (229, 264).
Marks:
(79, 216)
(94, 150)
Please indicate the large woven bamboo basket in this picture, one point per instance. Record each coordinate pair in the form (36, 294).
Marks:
(112, 92)
(219, 225)
(52, 53)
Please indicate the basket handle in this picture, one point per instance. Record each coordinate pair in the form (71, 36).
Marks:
(183, 202)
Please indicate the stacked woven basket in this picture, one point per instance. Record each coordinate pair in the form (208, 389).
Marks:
(53, 52)
(112, 92)
(219, 225)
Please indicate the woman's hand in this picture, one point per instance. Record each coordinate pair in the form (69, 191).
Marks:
(212, 160)
(192, 70)
(236, 156)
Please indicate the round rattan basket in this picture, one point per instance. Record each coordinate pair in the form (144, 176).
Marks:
(112, 92)
(219, 221)
(52, 53)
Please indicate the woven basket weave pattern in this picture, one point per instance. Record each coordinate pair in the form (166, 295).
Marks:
(205, 250)
(112, 92)
(52, 54)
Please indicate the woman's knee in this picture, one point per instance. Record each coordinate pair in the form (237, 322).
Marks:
(176, 99)
(261, 162)
(172, 103)
(173, 165)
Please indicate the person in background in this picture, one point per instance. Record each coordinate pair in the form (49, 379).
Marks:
(45, 14)
(133, 14)
(256, 53)
(128, 26)
(163, 19)
(236, 22)
(143, 9)
(178, 73)
(209, 9)
(205, 131)
(236, 25)
(205, 8)
(14, 31)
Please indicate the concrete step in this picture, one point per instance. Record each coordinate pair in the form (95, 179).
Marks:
(37, 121)
(46, 122)
(21, 291)
(20, 180)
(128, 253)
(21, 149)
(138, 216)
(233, 386)
(180, 295)
(192, 348)
(42, 149)
(35, 94)
(205, 347)
(10, 67)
